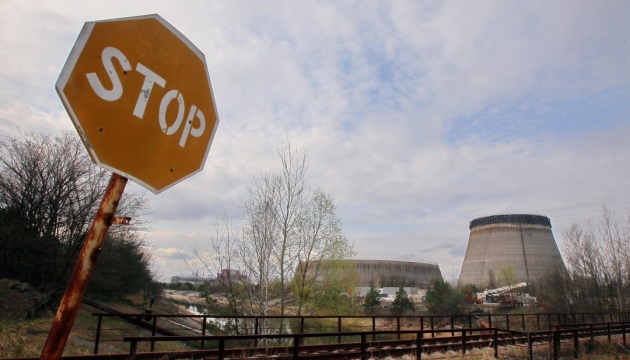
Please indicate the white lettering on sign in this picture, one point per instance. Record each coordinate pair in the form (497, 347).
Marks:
(166, 100)
(150, 79)
(196, 132)
(116, 92)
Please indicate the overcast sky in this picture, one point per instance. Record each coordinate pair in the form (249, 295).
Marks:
(417, 116)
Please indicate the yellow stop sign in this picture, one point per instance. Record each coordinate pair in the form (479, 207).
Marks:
(139, 94)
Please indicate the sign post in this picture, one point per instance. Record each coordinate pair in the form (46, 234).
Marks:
(139, 95)
(69, 306)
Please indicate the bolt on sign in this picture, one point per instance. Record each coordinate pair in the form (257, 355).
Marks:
(139, 94)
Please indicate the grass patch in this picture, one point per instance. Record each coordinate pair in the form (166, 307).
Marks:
(26, 338)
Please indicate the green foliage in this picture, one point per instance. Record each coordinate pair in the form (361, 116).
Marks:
(507, 275)
(323, 249)
(442, 299)
(401, 303)
(323, 286)
(333, 300)
(187, 286)
(372, 300)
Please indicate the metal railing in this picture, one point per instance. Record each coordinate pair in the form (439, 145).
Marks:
(296, 350)
(418, 345)
(339, 325)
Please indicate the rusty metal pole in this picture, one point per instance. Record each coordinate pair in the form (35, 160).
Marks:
(69, 306)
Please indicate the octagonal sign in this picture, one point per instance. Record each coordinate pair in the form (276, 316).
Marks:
(139, 94)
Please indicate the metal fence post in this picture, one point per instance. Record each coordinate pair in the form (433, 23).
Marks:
(373, 328)
(339, 329)
(203, 330)
(98, 333)
(256, 331)
(153, 331)
(132, 348)
(555, 344)
(363, 347)
(221, 355)
(296, 347)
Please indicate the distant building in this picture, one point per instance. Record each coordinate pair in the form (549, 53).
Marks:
(234, 275)
(378, 273)
(193, 279)
(388, 293)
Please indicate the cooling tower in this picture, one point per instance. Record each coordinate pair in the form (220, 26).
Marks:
(506, 249)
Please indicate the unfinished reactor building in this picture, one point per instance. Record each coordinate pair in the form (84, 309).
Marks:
(378, 273)
(504, 249)
(384, 273)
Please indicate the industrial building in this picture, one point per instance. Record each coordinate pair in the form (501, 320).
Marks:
(192, 278)
(379, 273)
(504, 249)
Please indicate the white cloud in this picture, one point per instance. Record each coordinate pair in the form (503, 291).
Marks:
(416, 116)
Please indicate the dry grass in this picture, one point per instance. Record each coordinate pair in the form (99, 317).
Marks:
(26, 338)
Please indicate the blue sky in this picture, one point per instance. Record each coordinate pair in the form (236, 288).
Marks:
(416, 116)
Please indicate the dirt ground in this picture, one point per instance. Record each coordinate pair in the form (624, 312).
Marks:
(19, 301)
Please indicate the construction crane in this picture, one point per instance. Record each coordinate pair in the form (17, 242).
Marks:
(493, 294)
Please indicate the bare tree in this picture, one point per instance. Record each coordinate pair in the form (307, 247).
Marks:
(219, 257)
(291, 197)
(259, 246)
(49, 193)
(615, 255)
(585, 266)
(597, 259)
(283, 223)
(274, 205)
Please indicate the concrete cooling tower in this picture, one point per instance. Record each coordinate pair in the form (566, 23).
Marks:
(509, 248)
